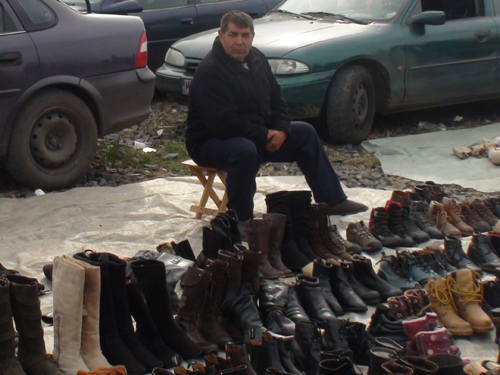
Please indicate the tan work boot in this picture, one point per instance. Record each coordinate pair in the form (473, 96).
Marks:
(443, 220)
(443, 305)
(467, 291)
(457, 218)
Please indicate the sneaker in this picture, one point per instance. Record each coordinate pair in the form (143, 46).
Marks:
(347, 207)
(393, 269)
(358, 233)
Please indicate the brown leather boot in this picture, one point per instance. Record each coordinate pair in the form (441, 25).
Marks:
(457, 218)
(314, 235)
(336, 248)
(442, 304)
(443, 221)
(276, 234)
(258, 232)
(467, 291)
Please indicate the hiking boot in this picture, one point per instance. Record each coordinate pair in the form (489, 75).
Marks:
(358, 233)
(481, 252)
(402, 197)
(418, 269)
(418, 300)
(394, 270)
(430, 191)
(485, 213)
(437, 261)
(454, 253)
(494, 205)
(443, 220)
(491, 293)
(379, 226)
(456, 216)
(467, 291)
(419, 212)
(442, 304)
(397, 219)
(410, 225)
(338, 240)
(400, 307)
(473, 219)
(384, 324)
(330, 240)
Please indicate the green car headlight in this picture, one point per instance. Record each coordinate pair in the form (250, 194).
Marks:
(286, 67)
(175, 58)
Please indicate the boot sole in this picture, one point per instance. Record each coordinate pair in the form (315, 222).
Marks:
(461, 332)
(483, 329)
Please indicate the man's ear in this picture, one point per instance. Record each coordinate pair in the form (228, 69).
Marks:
(220, 33)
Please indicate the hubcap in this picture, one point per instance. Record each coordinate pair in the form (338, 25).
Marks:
(53, 140)
(360, 105)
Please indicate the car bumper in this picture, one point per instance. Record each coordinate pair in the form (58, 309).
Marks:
(304, 94)
(120, 109)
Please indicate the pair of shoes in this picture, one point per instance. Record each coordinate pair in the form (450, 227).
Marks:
(347, 207)
(358, 233)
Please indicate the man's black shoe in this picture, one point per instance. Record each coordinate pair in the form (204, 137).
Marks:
(347, 207)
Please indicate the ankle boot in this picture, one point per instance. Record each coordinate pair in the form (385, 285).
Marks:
(442, 304)
(364, 272)
(448, 364)
(418, 269)
(473, 219)
(306, 346)
(341, 288)
(8, 361)
(250, 267)
(369, 296)
(383, 323)
(420, 366)
(239, 356)
(466, 289)
(294, 310)
(210, 319)
(217, 237)
(485, 213)
(395, 270)
(258, 232)
(333, 244)
(334, 340)
(322, 270)
(456, 256)
(265, 354)
(276, 234)
(296, 252)
(357, 232)
(285, 359)
(481, 252)
(437, 261)
(147, 333)
(312, 299)
(315, 237)
(272, 301)
(25, 307)
(112, 345)
(442, 220)
(300, 208)
(360, 342)
(378, 357)
(457, 217)
(337, 366)
(379, 226)
(419, 212)
(150, 276)
(214, 363)
(396, 225)
(194, 284)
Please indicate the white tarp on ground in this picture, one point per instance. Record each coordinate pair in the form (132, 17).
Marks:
(125, 219)
(429, 156)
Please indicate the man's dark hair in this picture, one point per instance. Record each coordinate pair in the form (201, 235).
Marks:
(239, 18)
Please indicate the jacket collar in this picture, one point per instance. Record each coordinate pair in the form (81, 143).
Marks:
(253, 59)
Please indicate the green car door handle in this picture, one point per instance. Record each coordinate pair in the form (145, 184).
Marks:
(481, 35)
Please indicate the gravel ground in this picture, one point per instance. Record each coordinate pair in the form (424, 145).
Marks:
(355, 166)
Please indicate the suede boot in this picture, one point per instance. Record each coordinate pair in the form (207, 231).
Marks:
(272, 301)
(27, 316)
(147, 332)
(341, 288)
(276, 235)
(296, 252)
(449, 364)
(258, 232)
(306, 346)
(194, 284)
(312, 299)
(322, 269)
(294, 310)
(358, 233)
(456, 256)
(150, 276)
(210, 319)
(239, 356)
(285, 359)
(9, 364)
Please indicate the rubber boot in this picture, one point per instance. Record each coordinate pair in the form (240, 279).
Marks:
(147, 331)
(150, 275)
(467, 291)
(294, 310)
(27, 316)
(322, 269)
(194, 293)
(239, 356)
(210, 319)
(9, 364)
(250, 267)
(306, 346)
(312, 299)
(295, 251)
(258, 235)
(272, 301)
(276, 235)
(449, 364)
(341, 288)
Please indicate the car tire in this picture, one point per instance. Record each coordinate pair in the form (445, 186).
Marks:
(350, 105)
(53, 141)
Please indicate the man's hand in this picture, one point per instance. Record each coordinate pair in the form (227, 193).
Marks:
(275, 139)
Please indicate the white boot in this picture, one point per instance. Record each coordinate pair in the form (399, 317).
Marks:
(68, 281)
(91, 347)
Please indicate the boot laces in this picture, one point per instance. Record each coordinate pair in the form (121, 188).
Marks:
(467, 296)
(440, 297)
(399, 267)
(420, 263)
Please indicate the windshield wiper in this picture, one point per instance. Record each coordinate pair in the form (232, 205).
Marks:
(341, 16)
(302, 15)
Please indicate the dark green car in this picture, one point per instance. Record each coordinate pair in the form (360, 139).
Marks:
(345, 60)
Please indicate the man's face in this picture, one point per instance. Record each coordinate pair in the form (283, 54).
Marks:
(237, 42)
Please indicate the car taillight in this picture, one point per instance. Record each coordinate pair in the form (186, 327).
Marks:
(142, 53)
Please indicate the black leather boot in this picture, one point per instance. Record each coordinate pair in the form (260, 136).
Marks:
(250, 267)
(294, 310)
(276, 235)
(194, 294)
(306, 347)
(184, 249)
(481, 252)
(264, 354)
(369, 296)
(360, 342)
(285, 359)
(272, 301)
(217, 237)
(232, 219)
(364, 272)
(341, 288)
(334, 338)
(150, 276)
(449, 364)
(300, 206)
(455, 254)
(384, 324)
(294, 255)
(312, 299)
(337, 366)
(322, 270)
(378, 357)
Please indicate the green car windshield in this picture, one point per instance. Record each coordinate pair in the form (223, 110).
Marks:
(346, 10)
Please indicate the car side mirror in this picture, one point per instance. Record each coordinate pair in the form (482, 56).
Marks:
(431, 17)
(121, 7)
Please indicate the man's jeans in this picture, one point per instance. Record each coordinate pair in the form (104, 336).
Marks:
(240, 158)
